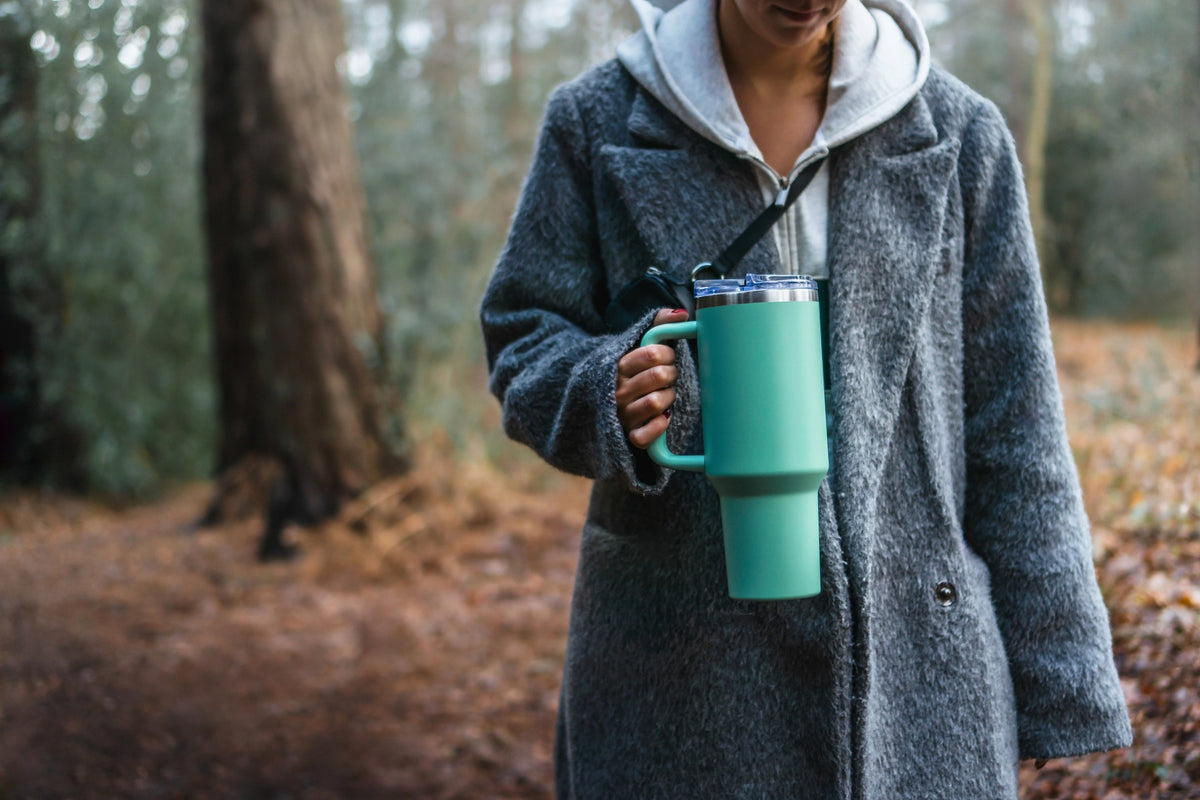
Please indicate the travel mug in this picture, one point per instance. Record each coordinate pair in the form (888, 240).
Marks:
(762, 406)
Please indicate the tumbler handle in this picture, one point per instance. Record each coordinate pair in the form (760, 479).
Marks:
(658, 448)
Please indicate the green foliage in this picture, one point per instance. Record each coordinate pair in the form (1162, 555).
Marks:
(1123, 157)
(445, 117)
(446, 96)
(121, 234)
(1120, 151)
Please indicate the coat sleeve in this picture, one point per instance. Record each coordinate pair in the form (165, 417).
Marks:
(1024, 512)
(552, 364)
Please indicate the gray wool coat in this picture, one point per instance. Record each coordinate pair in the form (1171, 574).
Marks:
(952, 469)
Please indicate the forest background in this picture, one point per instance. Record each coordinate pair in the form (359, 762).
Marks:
(1103, 97)
(112, 361)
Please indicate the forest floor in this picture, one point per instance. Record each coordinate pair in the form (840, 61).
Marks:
(413, 650)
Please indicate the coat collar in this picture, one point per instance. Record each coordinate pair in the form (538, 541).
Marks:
(650, 122)
(688, 198)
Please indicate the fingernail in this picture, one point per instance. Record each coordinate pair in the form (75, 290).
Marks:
(667, 413)
(678, 310)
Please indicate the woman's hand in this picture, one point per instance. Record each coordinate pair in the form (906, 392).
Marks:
(646, 386)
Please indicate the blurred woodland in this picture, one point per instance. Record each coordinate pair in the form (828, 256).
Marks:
(242, 245)
(108, 382)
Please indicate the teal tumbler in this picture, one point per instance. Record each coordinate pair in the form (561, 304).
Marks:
(762, 404)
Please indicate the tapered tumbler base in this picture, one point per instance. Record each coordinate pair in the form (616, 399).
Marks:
(772, 546)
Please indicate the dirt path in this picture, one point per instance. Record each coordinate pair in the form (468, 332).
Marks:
(140, 660)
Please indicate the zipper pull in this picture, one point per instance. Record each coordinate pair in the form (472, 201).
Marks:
(781, 199)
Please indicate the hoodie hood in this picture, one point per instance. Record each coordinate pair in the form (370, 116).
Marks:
(880, 61)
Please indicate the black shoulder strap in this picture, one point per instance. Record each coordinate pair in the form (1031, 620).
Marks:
(749, 237)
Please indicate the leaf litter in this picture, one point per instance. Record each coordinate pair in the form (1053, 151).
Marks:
(414, 648)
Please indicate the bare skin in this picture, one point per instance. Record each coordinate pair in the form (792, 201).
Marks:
(646, 386)
(773, 55)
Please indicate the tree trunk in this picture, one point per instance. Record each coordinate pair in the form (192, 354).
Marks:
(516, 122)
(1016, 16)
(1039, 120)
(18, 208)
(36, 444)
(295, 311)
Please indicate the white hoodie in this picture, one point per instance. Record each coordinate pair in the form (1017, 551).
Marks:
(880, 61)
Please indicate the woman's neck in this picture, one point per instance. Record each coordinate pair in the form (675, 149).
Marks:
(765, 70)
(780, 90)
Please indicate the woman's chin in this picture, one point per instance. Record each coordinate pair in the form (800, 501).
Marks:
(787, 28)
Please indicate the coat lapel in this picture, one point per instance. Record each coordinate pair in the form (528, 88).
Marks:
(887, 207)
(687, 198)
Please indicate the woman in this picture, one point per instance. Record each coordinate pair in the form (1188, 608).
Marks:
(959, 626)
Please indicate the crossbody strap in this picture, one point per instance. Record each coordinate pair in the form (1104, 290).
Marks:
(734, 253)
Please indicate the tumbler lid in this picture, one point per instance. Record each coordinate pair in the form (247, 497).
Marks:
(757, 288)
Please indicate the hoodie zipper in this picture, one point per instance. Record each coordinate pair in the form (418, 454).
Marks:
(789, 256)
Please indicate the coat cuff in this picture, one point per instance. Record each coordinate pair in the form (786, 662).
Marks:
(1073, 728)
(633, 464)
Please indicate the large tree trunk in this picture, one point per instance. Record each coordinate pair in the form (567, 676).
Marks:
(18, 198)
(36, 444)
(293, 292)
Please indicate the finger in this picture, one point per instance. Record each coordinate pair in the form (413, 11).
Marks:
(644, 436)
(650, 380)
(670, 315)
(646, 408)
(643, 358)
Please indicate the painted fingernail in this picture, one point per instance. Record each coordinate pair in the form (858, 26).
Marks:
(678, 310)
(667, 413)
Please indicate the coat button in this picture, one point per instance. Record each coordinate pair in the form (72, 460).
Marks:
(946, 594)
